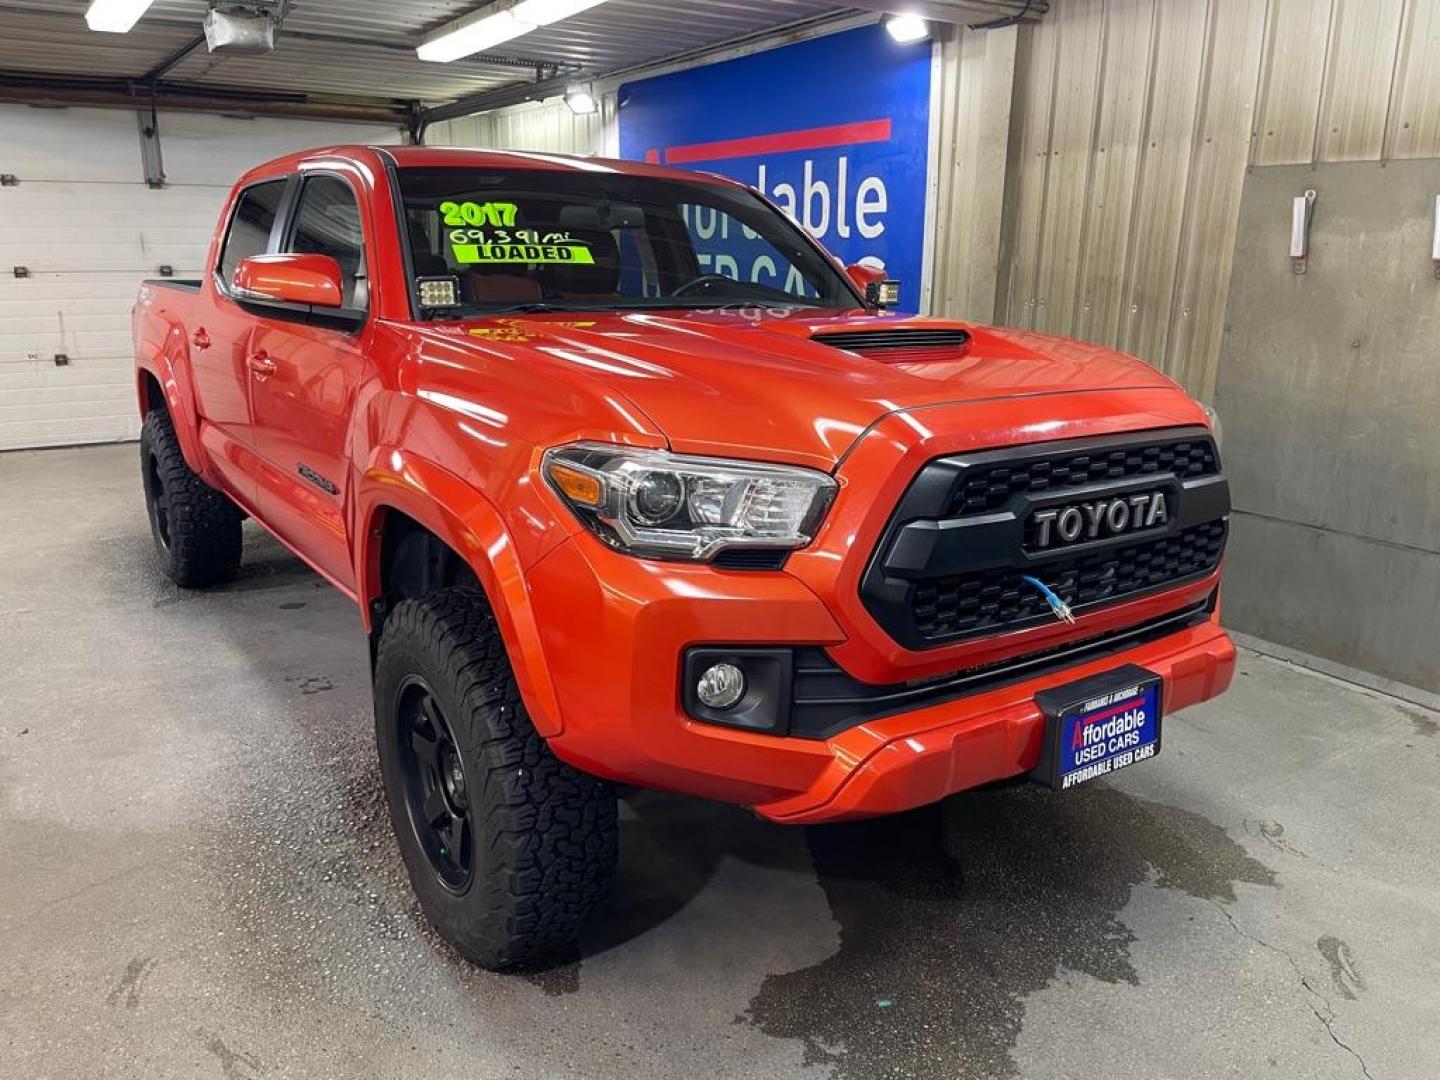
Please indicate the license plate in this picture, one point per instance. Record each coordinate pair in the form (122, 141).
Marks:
(1098, 726)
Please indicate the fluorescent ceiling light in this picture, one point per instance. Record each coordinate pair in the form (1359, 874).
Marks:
(907, 28)
(472, 35)
(115, 16)
(581, 100)
(495, 25)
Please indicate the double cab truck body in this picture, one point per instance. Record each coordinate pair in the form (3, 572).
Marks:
(634, 484)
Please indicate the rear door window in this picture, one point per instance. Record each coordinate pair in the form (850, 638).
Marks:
(251, 224)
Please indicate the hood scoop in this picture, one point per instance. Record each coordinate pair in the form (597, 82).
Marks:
(900, 345)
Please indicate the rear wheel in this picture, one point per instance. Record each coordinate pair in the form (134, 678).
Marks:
(196, 528)
(508, 848)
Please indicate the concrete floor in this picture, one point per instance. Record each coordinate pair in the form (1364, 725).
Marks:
(197, 878)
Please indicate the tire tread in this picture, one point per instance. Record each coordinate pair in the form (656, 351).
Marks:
(546, 832)
(205, 534)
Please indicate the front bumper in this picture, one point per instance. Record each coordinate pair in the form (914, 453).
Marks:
(923, 756)
(614, 630)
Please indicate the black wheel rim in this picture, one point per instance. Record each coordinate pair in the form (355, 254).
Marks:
(437, 789)
(156, 502)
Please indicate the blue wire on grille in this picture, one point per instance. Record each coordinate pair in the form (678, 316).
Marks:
(1057, 605)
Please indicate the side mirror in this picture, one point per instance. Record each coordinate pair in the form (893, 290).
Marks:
(313, 280)
(877, 288)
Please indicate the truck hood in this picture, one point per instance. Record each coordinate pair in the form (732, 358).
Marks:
(758, 383)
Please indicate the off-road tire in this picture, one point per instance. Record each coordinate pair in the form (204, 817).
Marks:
(544, 833)
(196, 528)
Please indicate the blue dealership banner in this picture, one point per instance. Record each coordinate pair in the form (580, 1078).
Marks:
(834, 130)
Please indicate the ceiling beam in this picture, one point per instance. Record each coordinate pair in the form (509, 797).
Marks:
(976, 13)
(30, 89)
(164, 66)
(499, 98)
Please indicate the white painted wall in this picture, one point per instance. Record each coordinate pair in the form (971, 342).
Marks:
(87, 227)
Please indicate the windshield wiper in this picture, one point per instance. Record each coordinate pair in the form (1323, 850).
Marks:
(732, 305)
(529, 307)
(540, 307)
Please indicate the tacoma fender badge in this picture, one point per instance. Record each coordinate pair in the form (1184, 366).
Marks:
(316, 479)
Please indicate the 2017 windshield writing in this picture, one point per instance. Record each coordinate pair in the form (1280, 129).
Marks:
(493, 238)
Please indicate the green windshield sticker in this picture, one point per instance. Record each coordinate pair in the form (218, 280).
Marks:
(493, 238)
(577, 254)
(499, 214)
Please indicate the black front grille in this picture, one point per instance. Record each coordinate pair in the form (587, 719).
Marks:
(953, 560)
(965, 604)
(990, 488)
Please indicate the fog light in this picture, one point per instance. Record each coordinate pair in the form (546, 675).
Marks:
(721, 686)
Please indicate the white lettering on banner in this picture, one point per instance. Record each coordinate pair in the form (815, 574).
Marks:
(724, 265)
(705, 230)
(784, 195)
(817, 224)
(819, 202)
(822, 202)
(865, 205)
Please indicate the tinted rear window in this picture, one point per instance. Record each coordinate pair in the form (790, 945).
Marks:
(250, 225)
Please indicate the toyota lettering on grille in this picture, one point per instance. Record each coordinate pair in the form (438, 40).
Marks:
(1099, 519)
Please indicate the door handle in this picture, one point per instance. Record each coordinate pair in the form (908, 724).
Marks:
(260, 364)
(200, 339)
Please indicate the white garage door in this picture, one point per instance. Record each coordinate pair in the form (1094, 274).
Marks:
(86, 228)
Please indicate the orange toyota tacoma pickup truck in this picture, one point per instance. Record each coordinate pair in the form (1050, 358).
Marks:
(616, 515)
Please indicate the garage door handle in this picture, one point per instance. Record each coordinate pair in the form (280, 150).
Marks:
(261, 366)
(200, 339)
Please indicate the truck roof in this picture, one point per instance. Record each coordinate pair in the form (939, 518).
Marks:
(443, 156)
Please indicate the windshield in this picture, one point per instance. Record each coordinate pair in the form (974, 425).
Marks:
(535, 240)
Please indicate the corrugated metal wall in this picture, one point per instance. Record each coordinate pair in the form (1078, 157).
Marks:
(1133, 123)
(975, 78)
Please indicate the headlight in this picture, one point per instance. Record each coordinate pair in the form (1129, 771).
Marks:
(1214, 418)
(647, 502)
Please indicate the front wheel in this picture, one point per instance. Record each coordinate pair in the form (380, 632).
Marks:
(509, 849)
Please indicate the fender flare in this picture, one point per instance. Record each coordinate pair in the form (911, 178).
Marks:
(174, 380)
(470, 524)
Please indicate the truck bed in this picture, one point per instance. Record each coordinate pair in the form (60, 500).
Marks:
(182, 284)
